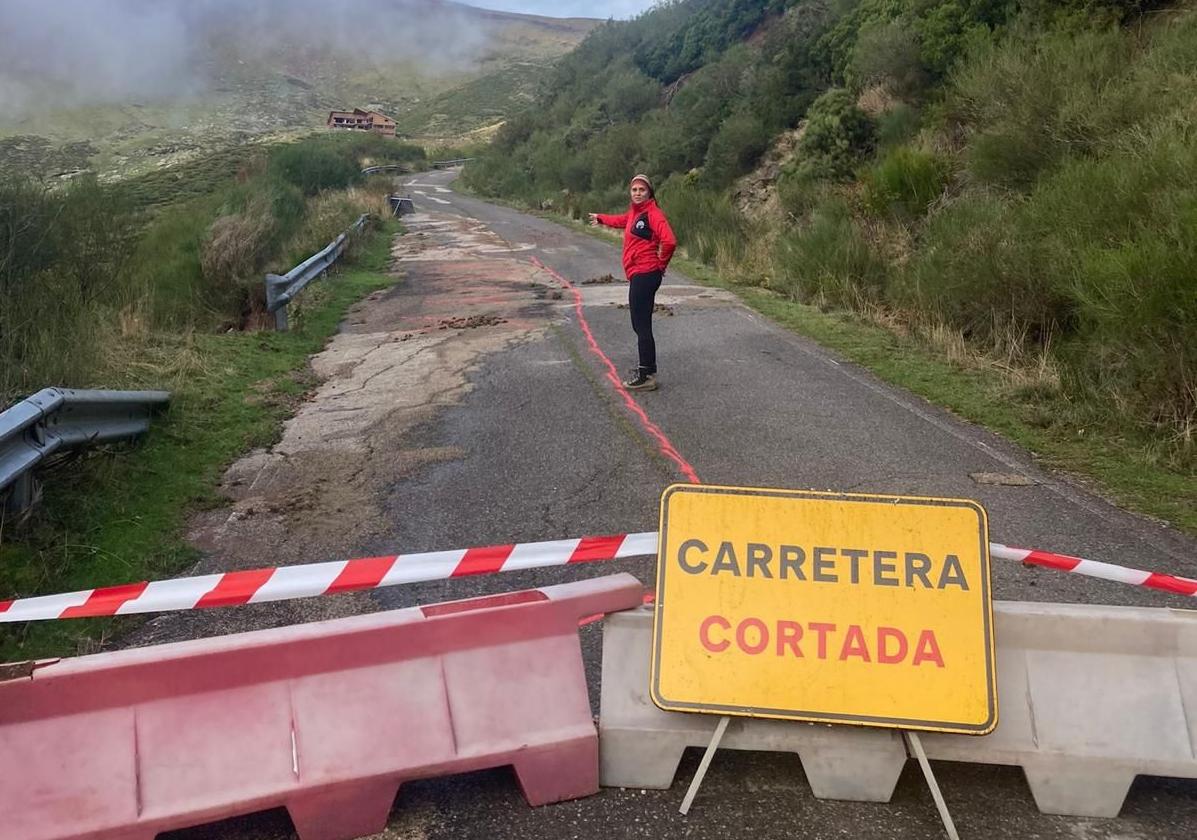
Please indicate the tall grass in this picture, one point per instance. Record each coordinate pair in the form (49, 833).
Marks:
(828, 261)
(80, 264)
(62, 257)
(706, 223)
(906, 182)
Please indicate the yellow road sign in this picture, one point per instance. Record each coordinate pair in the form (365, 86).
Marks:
(829, 607)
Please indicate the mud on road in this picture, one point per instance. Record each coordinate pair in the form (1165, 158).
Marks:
(404, 355)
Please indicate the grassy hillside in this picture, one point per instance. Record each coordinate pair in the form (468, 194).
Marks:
(90, 270)
(122, 516)
(1006, 182)
(156, 282)
(261, 75)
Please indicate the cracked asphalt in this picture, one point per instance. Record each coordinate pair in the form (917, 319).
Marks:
(423, 437)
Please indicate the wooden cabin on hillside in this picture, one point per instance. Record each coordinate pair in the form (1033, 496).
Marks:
(359, 120)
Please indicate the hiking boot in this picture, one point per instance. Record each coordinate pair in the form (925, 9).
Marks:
(638, 380)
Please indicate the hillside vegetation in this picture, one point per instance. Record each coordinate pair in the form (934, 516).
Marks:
(152, 89)
(92, 275)
(157, 283)
(1008, 181)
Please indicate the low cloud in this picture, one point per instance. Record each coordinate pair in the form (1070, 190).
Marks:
(602, 9)
(78, 51)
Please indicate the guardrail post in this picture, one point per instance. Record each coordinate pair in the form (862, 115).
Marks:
(275, 285)
(22, 495)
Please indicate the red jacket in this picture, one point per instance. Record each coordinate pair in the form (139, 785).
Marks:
(648, 241)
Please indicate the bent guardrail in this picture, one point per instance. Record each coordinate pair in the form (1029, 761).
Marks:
(281, 289)
(388, 167)
(443, 164)
(55, 419)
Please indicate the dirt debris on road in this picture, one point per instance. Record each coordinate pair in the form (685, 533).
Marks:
(600, 281)
(404, 355)
(471, 322)
(658, 308)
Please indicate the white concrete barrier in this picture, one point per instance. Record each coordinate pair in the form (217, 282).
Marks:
(640, 745)
(1088, 698)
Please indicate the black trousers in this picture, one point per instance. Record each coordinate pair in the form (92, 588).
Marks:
(642, 295)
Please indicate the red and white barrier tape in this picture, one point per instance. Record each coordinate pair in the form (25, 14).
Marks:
(1093, 568)
(287, 582)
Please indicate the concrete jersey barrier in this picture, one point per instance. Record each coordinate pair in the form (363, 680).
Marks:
(1089, 698)
(325, 719)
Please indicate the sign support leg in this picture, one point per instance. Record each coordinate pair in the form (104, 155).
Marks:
(912, 741)
(704, 764)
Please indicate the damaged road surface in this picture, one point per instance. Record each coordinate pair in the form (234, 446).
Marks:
(466, 406)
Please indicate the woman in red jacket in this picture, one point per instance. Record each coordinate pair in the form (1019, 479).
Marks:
(648, 245)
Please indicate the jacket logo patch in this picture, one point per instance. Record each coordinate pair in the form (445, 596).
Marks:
(641, 229)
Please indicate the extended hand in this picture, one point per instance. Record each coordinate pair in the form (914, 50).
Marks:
(594, 222)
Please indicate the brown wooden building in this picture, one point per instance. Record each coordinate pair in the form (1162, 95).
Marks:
(359, 120)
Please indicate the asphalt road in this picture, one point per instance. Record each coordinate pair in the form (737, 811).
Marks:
(529, 442)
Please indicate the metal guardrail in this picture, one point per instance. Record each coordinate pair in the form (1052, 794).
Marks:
(281, 289)
(441, 164)
(390, 167)
(56, 419)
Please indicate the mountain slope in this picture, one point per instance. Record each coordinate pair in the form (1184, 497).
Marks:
(150, 89)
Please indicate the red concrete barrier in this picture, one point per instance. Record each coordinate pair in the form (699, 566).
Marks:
(326, 719)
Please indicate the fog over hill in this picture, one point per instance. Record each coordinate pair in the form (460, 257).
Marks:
(181, 74)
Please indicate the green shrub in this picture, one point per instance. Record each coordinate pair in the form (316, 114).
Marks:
(700, 108)
(898, 125)
(943, 29)
(576, 174)
(1137, 330)
(905, 182)
(235, 248)
(799, 194)
(983, 270)
(1087, 12)
(313, 168)
(735, 148)
(28, 212)
(946, 30)
(629, 94)
(664, 145)
(498, 174)
(612, 199)
(615, 155)
(704, 220)
(887, 54)
(838, 134)
(829, 260)
(1120, 234)
(63, 259)
(166, 268)
(1030, 102)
